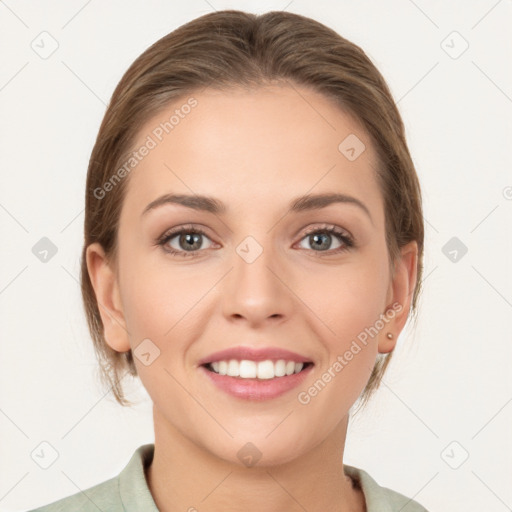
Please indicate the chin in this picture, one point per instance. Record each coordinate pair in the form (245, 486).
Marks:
(257, 449)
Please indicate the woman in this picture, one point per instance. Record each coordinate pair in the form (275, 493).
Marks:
(253, 248)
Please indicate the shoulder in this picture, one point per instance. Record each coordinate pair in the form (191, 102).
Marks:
(103, 496)
(125, 492)
(381, 499)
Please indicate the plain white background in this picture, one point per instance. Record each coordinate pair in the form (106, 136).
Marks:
(439, 428)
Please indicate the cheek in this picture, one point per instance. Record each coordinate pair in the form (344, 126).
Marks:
(347, 299)
(166, 306)
(350, 308)
(146, 308)
(156, 318)
(154, 299)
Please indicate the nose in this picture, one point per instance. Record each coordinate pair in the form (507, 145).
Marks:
(256, 290)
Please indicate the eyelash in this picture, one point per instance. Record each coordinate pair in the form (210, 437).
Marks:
(348, 242)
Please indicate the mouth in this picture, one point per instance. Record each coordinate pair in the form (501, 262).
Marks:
(257, 370)
(255, 374)
(251, 373)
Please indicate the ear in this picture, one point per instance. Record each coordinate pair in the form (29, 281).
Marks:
(399, 298)
(106, 288)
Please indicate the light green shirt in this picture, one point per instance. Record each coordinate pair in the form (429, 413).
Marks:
(129, 492)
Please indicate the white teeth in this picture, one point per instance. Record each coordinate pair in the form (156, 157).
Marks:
(280, 368)
(246, 369)
(223, 367)
(233, 368)
(265, 370)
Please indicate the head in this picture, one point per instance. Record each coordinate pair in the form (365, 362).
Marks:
(255, 112)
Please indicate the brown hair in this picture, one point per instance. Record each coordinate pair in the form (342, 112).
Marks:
(235, 48)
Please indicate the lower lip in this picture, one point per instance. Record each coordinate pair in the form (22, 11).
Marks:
(256, 389)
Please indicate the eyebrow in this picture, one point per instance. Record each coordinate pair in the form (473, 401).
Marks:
(300, 204)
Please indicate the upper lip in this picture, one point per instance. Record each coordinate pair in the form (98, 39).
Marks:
(254, 354)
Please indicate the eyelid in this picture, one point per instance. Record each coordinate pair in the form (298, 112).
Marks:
(189, 227)
(327, 226)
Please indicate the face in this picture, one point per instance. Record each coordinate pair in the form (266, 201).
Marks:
(261, 274)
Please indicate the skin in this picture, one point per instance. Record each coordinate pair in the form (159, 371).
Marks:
(254, 150)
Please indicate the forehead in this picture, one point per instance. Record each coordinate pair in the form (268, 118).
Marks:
(240, 144)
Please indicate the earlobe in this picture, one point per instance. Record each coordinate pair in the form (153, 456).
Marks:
(104, 282)
(388, 343)
(401, 290)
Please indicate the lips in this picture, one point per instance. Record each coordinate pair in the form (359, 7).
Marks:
(255, 374)
(252, 354)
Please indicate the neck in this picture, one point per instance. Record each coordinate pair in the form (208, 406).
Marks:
(184, 476)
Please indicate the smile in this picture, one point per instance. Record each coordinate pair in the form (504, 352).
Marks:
(262, 370)
(255, 380)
